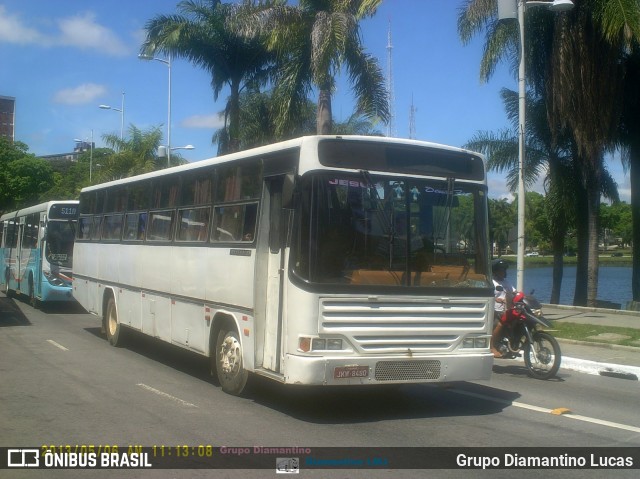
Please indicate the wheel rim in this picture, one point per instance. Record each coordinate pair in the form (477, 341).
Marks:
(230, 356)
(113, 320)
(541, 356)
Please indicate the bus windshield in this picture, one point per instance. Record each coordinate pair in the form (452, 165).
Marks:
(60, 238)
(392, 230)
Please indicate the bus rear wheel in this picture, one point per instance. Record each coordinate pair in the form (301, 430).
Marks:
(113, 327)
(229, 368)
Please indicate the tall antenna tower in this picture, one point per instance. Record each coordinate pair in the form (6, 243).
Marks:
(391, 99)
(412, 120)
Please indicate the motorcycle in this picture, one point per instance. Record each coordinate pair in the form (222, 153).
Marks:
(522, 331)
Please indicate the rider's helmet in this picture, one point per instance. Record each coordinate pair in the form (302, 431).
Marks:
(499, 264)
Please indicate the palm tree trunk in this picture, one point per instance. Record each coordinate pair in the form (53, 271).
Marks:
(582, 234)
(558, 267)
(234, 117)
(593, 192)
(323, 125)
(634, 174)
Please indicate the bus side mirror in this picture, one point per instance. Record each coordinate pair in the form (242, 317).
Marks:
(288, 190)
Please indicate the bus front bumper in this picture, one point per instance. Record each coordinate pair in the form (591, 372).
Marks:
(338, 371)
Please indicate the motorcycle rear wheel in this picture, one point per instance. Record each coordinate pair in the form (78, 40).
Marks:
(542, 358)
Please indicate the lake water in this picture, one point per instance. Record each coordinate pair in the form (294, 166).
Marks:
(614, 283)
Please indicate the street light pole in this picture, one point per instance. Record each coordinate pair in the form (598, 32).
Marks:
(168, 63)
(509, 9)
(521, 152)
(121, 110)
(91, 158)
(82, 145)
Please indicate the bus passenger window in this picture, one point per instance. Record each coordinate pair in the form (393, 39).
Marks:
(235, 223)
(193, 224)
(84, 230)
(160, 226)
(135, 227)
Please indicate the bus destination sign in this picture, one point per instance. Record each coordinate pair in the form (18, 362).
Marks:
(63, 212)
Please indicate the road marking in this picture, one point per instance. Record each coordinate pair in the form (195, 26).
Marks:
(57, 345)
(531, 407)
(165, 395)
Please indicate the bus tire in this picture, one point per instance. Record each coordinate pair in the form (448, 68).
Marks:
(115, 334)
(7, 290)
(33, 301)
(228, 357)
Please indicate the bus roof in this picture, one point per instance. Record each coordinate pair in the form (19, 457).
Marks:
(305, 141)
(36, 208)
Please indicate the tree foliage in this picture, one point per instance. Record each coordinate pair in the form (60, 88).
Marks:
(23, 177)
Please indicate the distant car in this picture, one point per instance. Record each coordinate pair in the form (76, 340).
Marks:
(533, 253)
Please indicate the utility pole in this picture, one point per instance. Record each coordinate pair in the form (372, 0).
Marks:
(391, 99)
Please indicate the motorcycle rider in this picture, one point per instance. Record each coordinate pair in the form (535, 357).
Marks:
(504, 293)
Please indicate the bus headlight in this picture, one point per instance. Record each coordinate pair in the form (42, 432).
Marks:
(475, 342)
(307, 344)
(53, 279)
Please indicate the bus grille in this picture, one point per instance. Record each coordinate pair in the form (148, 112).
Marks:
(413, 325)
(407, 370)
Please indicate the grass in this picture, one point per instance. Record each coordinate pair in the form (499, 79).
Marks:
(604, 259)
(583, 332)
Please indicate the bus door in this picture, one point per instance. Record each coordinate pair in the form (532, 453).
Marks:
(23, 254)
(271, 265)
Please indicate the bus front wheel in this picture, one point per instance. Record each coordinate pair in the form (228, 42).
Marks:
(112, 325)
(229, 368)
(7, 290)
(32, 294)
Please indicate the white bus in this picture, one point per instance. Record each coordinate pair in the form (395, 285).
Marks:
(323, 260)
(36, 251)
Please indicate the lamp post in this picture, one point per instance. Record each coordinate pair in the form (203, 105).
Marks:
(168, 63)
(90, 156)
(121, 110)
(164, 150)
(509, 9)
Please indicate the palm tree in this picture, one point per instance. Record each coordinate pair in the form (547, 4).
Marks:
(258, 111)
(576, 63)
(630, 138)
(133, 155)
(543, 157)
(313, 41)
(205, 33)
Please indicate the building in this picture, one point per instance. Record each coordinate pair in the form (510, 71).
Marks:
(81, 147)
(7, 117)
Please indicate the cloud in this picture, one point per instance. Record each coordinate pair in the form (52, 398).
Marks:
(204, 121)
(83, 32)
(13, 30)
(79, 31)
(85, 93)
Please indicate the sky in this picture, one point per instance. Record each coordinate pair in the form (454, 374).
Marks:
(62, 59)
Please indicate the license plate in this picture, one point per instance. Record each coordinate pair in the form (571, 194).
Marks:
(351, 372)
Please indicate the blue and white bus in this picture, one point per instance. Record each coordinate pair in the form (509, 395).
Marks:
(36, 251)
(324, 260)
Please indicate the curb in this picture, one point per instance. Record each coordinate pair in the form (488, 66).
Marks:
(600, 345)
(623, 312)
(620, 371)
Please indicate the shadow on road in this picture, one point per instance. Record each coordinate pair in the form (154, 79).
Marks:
(347, 404)
(333, 404)
(10, 314)
(519, 370)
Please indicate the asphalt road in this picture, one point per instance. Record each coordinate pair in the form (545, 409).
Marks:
(61, 383)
